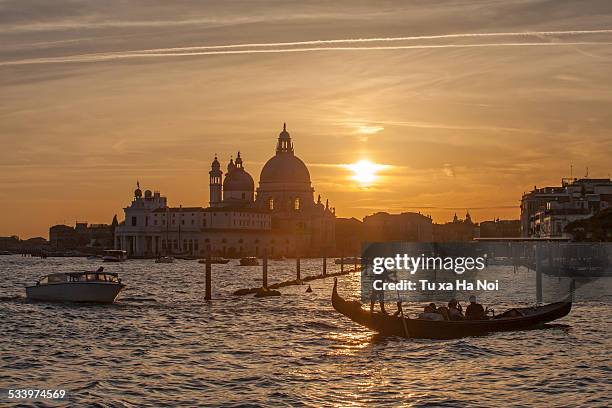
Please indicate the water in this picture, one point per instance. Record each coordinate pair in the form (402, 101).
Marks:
(162, 344)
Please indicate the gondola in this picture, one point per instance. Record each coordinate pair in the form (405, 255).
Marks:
(388, 325)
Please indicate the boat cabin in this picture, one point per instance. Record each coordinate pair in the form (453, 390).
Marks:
(116, 255)
(79, 277)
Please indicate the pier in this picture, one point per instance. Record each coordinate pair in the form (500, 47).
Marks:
(298, 280)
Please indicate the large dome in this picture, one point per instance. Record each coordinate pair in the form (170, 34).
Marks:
(284, 168)
(238, 180)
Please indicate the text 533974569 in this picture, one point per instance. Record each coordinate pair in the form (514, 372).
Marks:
(36, 394)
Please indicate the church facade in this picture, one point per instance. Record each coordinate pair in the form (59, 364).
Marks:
(280, 217)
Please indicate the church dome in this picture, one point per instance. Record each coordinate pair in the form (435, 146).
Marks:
(285, 168)
(238, 180)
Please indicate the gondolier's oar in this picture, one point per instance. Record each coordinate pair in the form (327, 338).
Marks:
(401, 308)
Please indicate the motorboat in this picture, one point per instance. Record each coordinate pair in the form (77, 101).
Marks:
(96, 287)
(94, 257)
(215, 260)
(249, 261)
(114, 255)
(164, 259)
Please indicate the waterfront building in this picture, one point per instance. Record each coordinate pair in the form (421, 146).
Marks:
(545, 212)
(500, 229)
(62, 237)
(280, 217)
(407, 226)
(456, 230)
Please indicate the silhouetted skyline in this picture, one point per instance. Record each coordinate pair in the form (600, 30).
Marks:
(456, 122)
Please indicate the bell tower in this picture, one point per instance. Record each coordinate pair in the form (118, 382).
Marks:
(216, 183)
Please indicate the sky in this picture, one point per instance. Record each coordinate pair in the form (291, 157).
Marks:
(463, 105)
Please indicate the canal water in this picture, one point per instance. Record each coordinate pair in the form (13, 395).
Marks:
(163, 344)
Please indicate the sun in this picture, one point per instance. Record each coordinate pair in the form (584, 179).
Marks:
(365, 172)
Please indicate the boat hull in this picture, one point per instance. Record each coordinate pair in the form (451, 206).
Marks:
(96, 292)
(417, 328)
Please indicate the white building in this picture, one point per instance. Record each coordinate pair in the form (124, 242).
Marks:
(283, 219)
(546, 212)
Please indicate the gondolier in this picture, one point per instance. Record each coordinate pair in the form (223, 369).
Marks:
(379, 294)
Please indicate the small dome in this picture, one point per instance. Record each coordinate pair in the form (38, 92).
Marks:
(285, 168)
(238, 180)
(230, 166)
(148, 194)
(215, 164)
(138, 191)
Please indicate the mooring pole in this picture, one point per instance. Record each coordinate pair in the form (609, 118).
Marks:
(207, 295)
(538, 272)
(342, 262)
(355, 263)
(324, 264)
(264, 278)
(297, 268)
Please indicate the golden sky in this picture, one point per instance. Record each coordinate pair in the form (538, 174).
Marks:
(95, 95)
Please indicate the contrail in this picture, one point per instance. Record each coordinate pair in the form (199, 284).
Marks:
(100, 57)
(382, 39)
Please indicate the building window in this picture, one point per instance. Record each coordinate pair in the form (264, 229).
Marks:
(296, 204)
(133, 221)
(271, 204)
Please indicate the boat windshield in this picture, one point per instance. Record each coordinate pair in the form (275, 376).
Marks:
(54, 278)
(94, 277)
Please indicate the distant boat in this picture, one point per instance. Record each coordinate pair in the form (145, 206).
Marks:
(5, 253)
(278, 258)
(114, 255)
(164, 259)
(249, 261)
(347, 261)
(98, 287)
(215, 260)
(94, 257)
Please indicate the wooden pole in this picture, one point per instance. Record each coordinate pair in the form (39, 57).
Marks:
(324, 265)
(355, 262)
(297, 268)
(208, 278)
(538, 272)
(342, 262)
(264, 277)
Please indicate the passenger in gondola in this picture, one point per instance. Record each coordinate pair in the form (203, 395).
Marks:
(454, 310)
(429, 313)
(475, 311)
